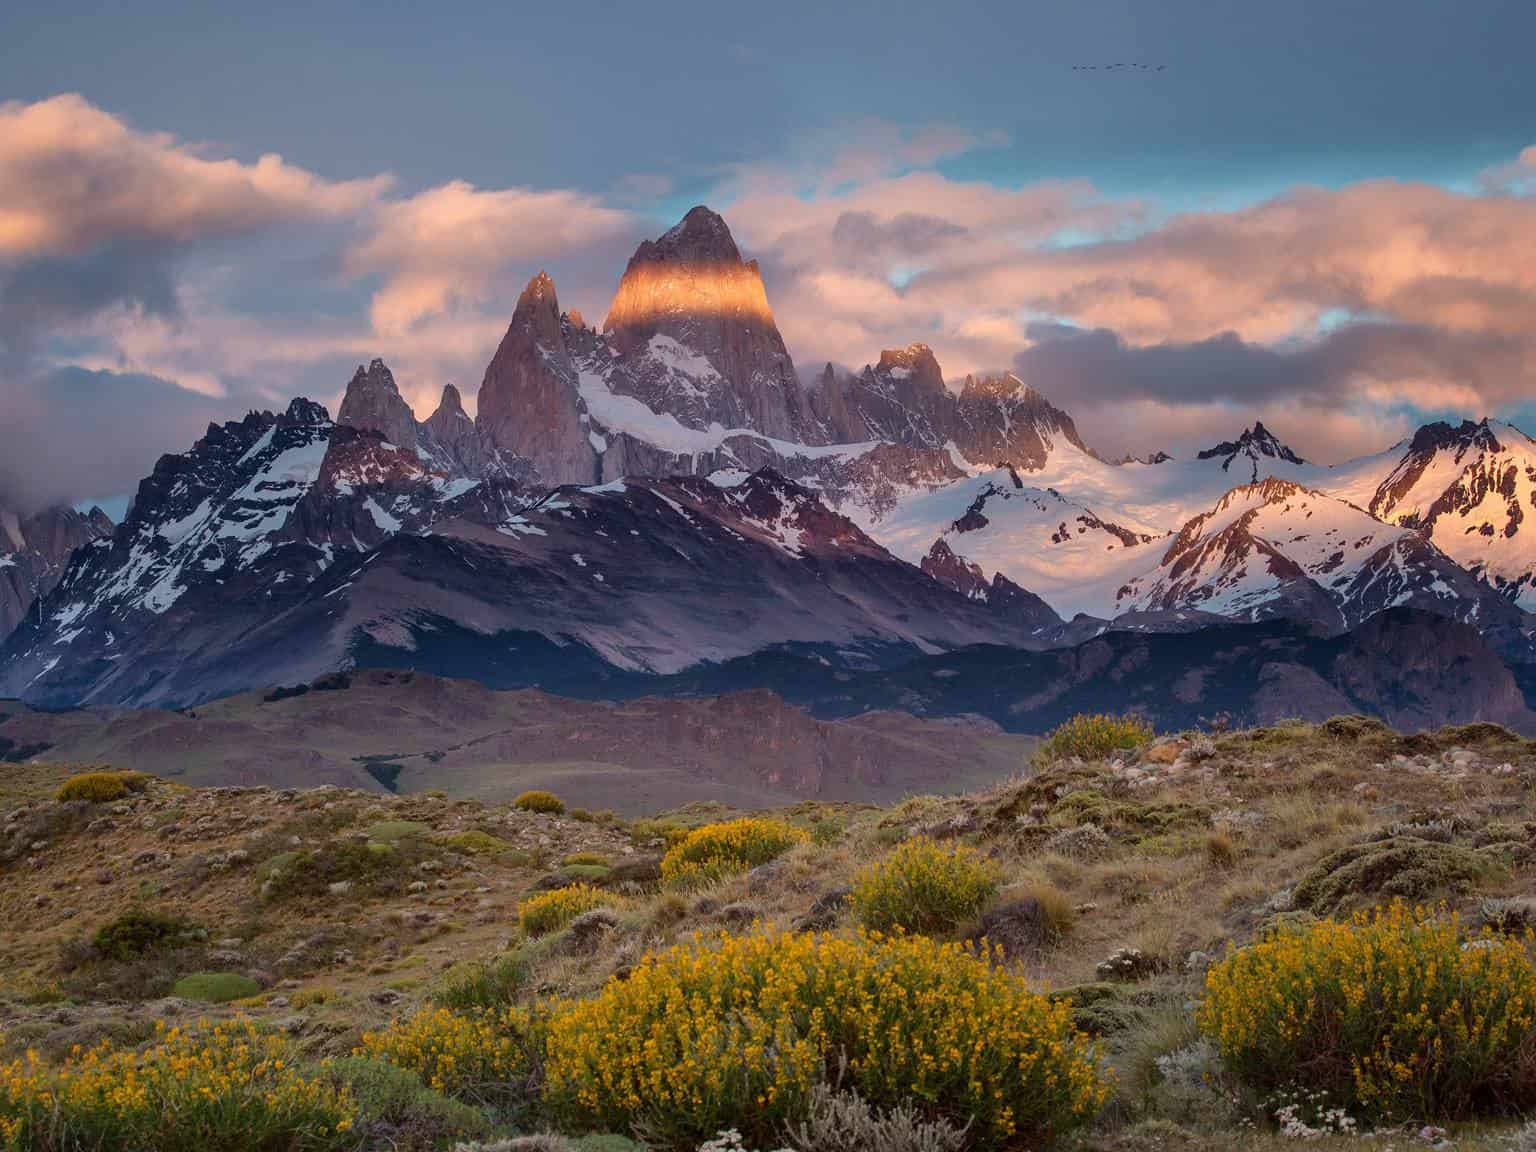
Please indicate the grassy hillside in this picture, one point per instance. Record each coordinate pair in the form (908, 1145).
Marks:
(360, 934)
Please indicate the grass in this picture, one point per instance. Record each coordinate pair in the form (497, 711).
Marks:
(393, 831)
(215, 987)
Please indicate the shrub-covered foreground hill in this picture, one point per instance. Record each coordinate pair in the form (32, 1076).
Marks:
(1193, 942)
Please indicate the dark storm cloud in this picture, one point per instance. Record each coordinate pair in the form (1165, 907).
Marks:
(73, 434)
(43, 296)
(1096, 365)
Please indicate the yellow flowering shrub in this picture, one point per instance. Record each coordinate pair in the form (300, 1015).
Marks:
(735, 1031)
(228, 1089)
(537, 801)
(1093, 737)
(922, 886)
(101, 787)
(718, 850)
(476, 1055)
(553, 910)
(1396, 1012)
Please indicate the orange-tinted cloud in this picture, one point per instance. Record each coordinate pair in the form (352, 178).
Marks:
(73, 177)
(1446, 278)
(443, 247)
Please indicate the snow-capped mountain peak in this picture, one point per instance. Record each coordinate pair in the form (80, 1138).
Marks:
(1279, 548)
(1470, 488)
(1255, 444)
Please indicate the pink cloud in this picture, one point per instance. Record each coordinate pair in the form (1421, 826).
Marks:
(73, 176)
(443, 248)
(964, 266)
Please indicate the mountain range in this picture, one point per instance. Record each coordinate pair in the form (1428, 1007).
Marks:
(634, 506)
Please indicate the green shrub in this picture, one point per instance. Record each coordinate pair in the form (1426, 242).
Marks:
(718, 850)
(399, 1112)
(921, 886)
(537, 801)
(309, 873)
(477, 843)
(215, 987)
(585, 858)
(1403, 867)
(1101, 1008)
(671, 832)
(1395, 1013)
(101, 787)
(736, 1032)
(584, 871)
(139, 932)
(482, 983)
(1094, 737)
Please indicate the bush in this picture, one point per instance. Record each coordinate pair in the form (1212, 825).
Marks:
(138, 933)
(1034, 917)
(1404, 868)
(232, 1089)
(400, 1112)
(669, 832)
(736, 1031)
(482, 983)
(101, 787)
(1221, 850)
(536, 801)
(215, 987)
(479, 1056)
(844, 1122)
(593, 872)
(477, 843)
(1094, 737)
(310, 873)
(923, 887)
(1394, 1012)
(550, 911)
(718, 850)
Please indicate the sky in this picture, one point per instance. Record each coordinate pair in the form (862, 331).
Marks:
(1172, 218)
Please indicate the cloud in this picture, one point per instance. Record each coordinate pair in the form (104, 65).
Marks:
(444, 247)
(1321, 432)
(138, 257)
(95, 215)
(144, 278)
(1517, 178)
(74, 434)
(1385, 363)
(851, 154)
(1381, 292)
(73, 177)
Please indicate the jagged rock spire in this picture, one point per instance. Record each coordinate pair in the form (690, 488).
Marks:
(373, 403)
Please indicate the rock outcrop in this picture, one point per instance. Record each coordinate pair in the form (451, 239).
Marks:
(374, 403)
(529, 401)
(903, 399)
(34, 552)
